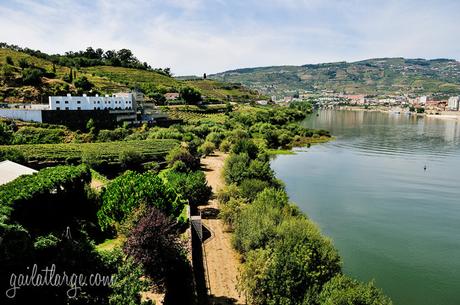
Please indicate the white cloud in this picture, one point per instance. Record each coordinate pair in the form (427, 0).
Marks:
(197, 36)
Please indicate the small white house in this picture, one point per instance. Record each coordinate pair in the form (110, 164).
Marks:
(120, 101)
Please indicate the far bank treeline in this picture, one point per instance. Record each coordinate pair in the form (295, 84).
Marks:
(59, 215)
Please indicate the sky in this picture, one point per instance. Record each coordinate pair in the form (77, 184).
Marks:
(209, 36)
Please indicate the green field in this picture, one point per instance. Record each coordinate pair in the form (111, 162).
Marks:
(148, 150)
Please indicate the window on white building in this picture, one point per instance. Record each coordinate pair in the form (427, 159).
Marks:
(78, 108)
(57, 102)
(66, 102)
(58, 108)
(66, 108)
(78, 102)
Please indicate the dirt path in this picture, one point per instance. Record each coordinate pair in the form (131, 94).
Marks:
(220, 260)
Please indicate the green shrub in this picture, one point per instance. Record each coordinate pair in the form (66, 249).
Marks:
(293, 268)
(342, 290)
(184, 155)
(128, 284)
(257, 223)
(37, 135)
(250, 188)
(191, 186)
(225, 145)
(126, 192)
(215, 137)
(206, 148)
(230, 211)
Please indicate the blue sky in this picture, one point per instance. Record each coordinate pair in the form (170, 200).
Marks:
(196, 36)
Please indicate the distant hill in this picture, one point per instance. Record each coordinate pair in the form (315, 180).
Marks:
(372, 76)
(106, 79)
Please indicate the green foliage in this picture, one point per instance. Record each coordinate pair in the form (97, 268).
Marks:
(38, 135)
(206, 148)
(46, 180)
(245, 146)
(190, 95)
(342, 290)
(109, 152)
(32, 76)
(191, 186)
(128, 285)
(12, 154)
(250, 188)
(9, 61)
(6, 134)
(256, 224)
(182, 154)
(117, 134)
(230, 211)
(126, 192)
(83, 83)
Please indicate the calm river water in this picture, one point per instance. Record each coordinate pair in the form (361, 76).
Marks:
(391, 220)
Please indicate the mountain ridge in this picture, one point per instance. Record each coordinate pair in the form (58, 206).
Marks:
(384, 75)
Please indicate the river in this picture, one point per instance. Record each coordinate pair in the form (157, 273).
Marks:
(392, 220)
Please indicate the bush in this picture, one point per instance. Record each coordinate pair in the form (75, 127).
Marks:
(293, 268)
(183, 154)
(12, 154)
(247, 147)
(206, 148)
(117, 134)
(225, 146)
(257, 223)
(250, 188)
(130, 190)
(37, 135)
(230, 211)
(215, 137)
(129, 158)
(128, 285)
(191, 186)
(342, 290)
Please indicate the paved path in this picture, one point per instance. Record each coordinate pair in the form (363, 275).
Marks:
(220, 260)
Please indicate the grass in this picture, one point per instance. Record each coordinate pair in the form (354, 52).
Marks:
(110, 244)
(280, 152)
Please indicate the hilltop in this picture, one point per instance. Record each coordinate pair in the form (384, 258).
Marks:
(31, 76)
(372, 76)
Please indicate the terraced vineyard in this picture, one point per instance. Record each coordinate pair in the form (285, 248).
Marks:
(110, 152)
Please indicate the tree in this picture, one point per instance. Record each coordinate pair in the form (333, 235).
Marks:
(190, 95)
(23, 63)
(183, 154)
(83, 83)
(153, 243)
(9, 61)
(32, 76)
(128, 191)
(192, 186)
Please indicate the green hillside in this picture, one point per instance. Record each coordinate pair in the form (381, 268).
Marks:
(373, 76)
(106, 80)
